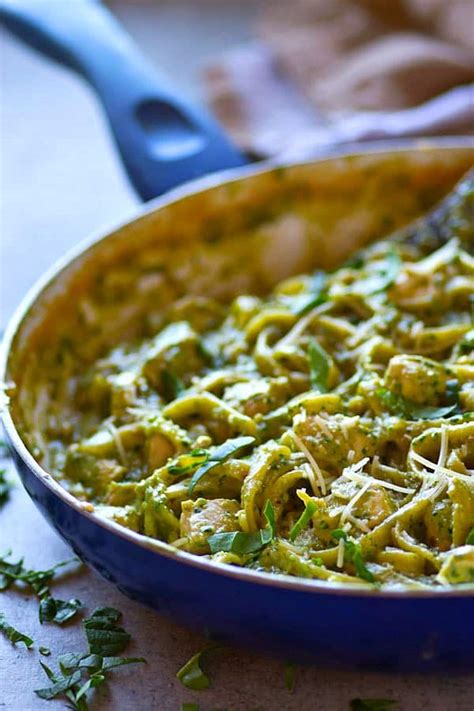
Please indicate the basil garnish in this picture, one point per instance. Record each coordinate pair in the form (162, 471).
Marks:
(381, 279)
(58, 611)
(191, 675)
(12, 634)
(243, 543)
(319, 365)
(219, 455)
(309, 511)
(353, 553)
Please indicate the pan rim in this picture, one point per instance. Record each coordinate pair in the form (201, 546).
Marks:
(285, 582)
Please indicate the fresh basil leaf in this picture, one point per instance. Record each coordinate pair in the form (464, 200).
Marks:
(219, 455)
(81, 672)
(353, 553)
(470, 538)
(399, 405)
(269, 513)
(70, 662)
(359, 564)
(192, 676)
(372, 704)
(356, 262)
(467, 343)
(319, 365)
(103, 634)
(9, 572)
(60, 686)
(431, 413)
(237, 542)
(381, 279)
(301, 304)
(92, 683)
(171, 385)
(12, 634)
(290, 676)
(242, 543)
(5, 487)
(107, 614)
(35, 579)
(109, 663)
(58, 611)
(306, 516)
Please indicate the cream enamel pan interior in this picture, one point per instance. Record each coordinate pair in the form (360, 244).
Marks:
(216, 238)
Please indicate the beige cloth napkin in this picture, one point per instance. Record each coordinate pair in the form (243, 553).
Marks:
(328, 72)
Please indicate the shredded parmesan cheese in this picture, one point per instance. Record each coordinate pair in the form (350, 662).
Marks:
(340, 553)
(354, 500)
(355, 476)
(436, 468)
(319, 483)
(320, 421)
(359, 522)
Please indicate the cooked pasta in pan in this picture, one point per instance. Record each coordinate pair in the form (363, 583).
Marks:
(325, 430)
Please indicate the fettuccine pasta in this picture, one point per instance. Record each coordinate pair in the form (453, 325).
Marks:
(324, 431)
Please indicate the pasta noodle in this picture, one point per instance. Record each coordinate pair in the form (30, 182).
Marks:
(324, 431)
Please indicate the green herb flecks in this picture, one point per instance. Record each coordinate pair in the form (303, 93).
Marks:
(383, 277)
(354, 555)
(191, 675)
(470, 538)
(58, 611)
(79, 673)
(242, 543)
(45, 651)
(304, 519)
(371, 704)
(319, 366)
(218, 456)
(189, 707)
(12, 634)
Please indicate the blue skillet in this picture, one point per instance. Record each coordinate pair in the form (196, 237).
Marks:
(164, 141)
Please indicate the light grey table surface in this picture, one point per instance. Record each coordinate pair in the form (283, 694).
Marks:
(60, 180)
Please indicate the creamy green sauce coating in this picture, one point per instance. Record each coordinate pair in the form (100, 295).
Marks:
(323, 431)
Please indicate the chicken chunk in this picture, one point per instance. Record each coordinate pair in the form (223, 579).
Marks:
(202, 518)
(418, 379)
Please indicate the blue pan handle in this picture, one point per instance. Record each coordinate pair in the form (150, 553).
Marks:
(163, 140)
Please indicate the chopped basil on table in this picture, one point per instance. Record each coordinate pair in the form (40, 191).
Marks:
(58, 611)
(80, 672)
(372, 704)
(13, 634)
(191, 675)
